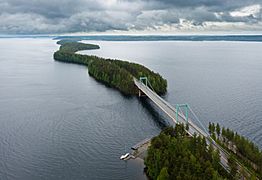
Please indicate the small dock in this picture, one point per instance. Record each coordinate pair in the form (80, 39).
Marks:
(141, 143)
(139, 150)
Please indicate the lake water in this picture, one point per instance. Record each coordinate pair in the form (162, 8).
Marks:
(56, 122)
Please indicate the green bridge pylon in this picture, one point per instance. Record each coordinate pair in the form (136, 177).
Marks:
(186, 107)
(141, 79)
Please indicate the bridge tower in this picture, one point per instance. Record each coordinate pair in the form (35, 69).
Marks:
(143, 80)
(186, 107)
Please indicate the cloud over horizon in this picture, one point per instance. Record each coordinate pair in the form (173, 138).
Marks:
(172, 16)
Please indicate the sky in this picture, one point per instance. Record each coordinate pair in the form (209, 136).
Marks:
(130, 16)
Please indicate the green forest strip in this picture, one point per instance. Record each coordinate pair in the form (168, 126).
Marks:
(117, 74)
(240, 148)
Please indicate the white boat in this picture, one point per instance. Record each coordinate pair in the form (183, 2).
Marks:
(124, 156)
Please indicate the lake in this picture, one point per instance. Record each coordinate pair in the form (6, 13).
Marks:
(57, 122)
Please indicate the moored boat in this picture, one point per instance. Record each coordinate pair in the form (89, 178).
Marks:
(123, 157)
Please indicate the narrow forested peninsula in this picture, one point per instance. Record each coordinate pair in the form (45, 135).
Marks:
(113, 73)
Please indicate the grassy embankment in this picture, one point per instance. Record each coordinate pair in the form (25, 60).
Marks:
(117, 74)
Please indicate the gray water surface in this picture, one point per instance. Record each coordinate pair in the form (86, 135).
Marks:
(56, 122)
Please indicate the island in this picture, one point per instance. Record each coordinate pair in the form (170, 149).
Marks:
(113, 73)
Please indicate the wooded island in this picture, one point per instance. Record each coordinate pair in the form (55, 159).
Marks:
(113, 73)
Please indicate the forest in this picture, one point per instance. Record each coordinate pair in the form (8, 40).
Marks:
(117, 74)
(72, 47)
(175, 155)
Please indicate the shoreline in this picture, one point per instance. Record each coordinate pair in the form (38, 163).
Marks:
(140, 150)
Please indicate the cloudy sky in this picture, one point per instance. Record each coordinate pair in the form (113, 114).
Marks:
(130, 16)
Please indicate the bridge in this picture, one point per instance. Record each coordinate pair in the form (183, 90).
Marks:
(171, 111)
(178, 117)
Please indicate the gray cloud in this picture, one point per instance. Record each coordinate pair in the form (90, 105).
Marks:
(67, 16)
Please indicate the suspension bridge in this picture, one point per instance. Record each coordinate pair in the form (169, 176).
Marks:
(177, 116)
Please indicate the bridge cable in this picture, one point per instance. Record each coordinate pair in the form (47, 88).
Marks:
(150, 85)
(198, 120)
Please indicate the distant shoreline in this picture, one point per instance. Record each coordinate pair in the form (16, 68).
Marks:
(237, 38)
(246, 38)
